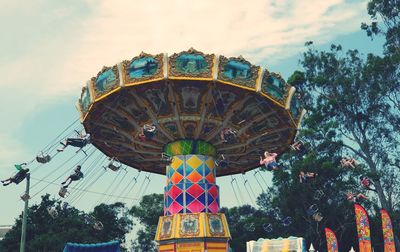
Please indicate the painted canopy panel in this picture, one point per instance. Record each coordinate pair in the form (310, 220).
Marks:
(198, 100)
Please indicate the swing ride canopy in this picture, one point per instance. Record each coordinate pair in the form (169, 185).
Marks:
(190, 97)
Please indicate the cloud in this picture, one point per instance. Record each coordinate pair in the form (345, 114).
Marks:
(52, 54)
(263, 31)
(117, 30)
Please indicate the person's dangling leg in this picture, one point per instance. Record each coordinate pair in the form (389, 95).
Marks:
(76, 142)
(6, 182)
(66, 186)
(272, 166)
(66, 180)
(361, 196)
(64, 145)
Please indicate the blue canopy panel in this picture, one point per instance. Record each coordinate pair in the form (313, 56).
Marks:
(112, 246)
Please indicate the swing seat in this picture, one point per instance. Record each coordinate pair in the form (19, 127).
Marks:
(317, 217)
(312, 210)
(267, 227)
(98, 225)
(25, 197)
(65, 205)
(43, 159)
(88, 219)
(221, 162)
(114, 167)
(318, 194)
(165, 158)
(250, 227)
(230, 136)
(114, 164)
(63, 192)
(52, 212)
(149, 131)
(287, 221)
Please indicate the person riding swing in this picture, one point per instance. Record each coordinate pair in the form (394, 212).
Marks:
(347, 162)
(19, 177)
(77, 175)
(269, 161)
(366, 183)
(304, 177)
(80, 142)
(228, 135)
(299, 148)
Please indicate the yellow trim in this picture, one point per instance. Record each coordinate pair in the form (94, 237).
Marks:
(235, 85)
(107, 94)
(225, 223)
(217, 244)
(273, 100)
(167, 246)
(189, 78)
(87, 113)
(143, 82)
(157, 238)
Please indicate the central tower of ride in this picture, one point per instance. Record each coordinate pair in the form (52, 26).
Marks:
(193, 117)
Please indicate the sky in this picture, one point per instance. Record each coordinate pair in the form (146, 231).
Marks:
(49, 49)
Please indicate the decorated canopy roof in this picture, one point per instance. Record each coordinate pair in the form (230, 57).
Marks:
(189, 96)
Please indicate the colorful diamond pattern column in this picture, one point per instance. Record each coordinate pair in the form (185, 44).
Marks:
(191, 185)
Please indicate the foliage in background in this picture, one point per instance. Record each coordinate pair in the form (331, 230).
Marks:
(147, 213)
(47, 234)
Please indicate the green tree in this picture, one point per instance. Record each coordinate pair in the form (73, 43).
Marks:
(147, 213)
(348, 99)
(345, 89)
(47, 234)
(385, 15)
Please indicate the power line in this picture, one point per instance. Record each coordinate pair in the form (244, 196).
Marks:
(91, 172)
(119, 184)
(52, 172)
(89, 186)
(82, 161)
(108, 188)
(133, 186)
(47, 147)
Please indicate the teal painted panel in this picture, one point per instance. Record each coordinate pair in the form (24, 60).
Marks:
(191, 63)
(237, 70)
(105, 81)
(143, 67)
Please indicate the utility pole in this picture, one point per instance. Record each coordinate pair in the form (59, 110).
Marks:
(25, 214)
